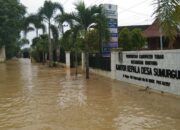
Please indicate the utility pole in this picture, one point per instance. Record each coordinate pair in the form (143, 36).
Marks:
(160, 31)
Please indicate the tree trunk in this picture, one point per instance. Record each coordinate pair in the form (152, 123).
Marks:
(75, 52)
(37, 33)
(87, 61)
(58, 54)
(43, 57)
(76, 61)
(50, 46)
(171, 43)
(2, 54)
(100, 43)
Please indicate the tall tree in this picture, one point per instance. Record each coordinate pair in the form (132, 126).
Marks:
(36, 20)
(47, 12)
(11, 15)
(55, 34)
(124, 39)
(39, 48)
(86, 17)
(137, 39)
(25, 27)
(102, 28)
(131, 40)
(74, 33)
(61, 19)
(167, 13)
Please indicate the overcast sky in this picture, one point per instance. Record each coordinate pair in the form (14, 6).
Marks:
(130, 12)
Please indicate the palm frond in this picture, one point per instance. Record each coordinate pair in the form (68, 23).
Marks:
(168, 15)
(55, 32)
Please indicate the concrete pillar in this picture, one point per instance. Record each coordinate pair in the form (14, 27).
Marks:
(68, 61)
(113, 64)
(2, 54)
(83, 60)
(114, 58)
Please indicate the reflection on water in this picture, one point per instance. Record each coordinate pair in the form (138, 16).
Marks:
(72, 91)
(35, 97)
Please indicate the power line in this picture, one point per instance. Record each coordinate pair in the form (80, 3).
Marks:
(133, 6)
(143, 21)
(138, 13)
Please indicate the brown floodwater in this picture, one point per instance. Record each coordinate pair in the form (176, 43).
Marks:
(35, 97)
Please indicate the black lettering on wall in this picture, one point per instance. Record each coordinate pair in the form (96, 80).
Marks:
(146, 70)
(166, 84)
(174, 74)
(121, 67)
(159, 56)
(158, 82)
(178, 75)
(151, 63)
(163, 83)
(158, 72)
(131, 56)
(137, 62)
(151, 81)
(146, 56)
(126, 76)
(167, 73)
(133, 69)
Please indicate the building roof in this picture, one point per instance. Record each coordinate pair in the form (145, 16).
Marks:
(142, 27)
(153, 30)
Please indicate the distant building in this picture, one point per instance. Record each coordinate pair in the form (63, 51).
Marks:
(153, 34)
(142, 27)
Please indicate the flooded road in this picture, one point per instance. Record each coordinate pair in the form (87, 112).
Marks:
(35, 97)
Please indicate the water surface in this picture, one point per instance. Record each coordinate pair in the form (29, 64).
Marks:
(35, 97)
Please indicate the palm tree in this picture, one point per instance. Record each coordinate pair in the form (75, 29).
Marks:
(74, 31)
(60, 19)
(25, 27)
(47, 12)
(168, 15)
(36, 20)
(23, 42)
(40, 47)
(137, 39)
(102, 29)
(86, 18)
(55, 34)
(124, 39)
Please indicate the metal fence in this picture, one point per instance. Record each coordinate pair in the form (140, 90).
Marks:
(99, 62)
(62, 56)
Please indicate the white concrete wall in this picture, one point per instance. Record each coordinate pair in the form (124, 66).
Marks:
(2, 54)
(83, 60)
(170, 61)
(101, 72)
(68, 61)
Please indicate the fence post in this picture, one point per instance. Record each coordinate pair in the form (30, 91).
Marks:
(83, 60)
(2, 54)
(68, 62)
(113, 64)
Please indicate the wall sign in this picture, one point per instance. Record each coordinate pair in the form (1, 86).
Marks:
(112, 15)
(157, 69)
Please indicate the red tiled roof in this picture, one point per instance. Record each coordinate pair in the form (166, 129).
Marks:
(153, 30)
